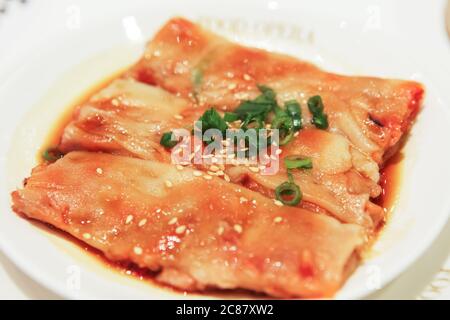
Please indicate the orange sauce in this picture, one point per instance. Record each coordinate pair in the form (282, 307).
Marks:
(54, 135)
(390, 182)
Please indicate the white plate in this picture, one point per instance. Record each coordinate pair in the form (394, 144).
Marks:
(68, 46)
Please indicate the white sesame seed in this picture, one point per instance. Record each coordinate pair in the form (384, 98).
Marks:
(254, 169)
(142, 222)
(296, 134)
(178, 117)
(232, 86)
(173, 220)
(197, 173)
(137, 250)
(243, 199)
(207, 177)
(278, 202)
(277, 219)
(179, 167)
(237, 228)
(226, 177)
(87, 236)
(168, 184)
(273, 157)
(220, 230)
(99, 170)
(279, 151)
(180, 229)
(129, 219)
(247, 77)
(214, 168)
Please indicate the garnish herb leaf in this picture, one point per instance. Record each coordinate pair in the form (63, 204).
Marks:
(230, 117)
(316, 107)
(288, 193)
(166, 140)
(211, 119)
(52, 154)
(295, 162)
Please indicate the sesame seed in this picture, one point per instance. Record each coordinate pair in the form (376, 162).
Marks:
(247, 77)
(129, 219)
(87, 235)
(279, 151)
(273, 157)
(179, 167)
(278, 203)
(220, 230)
(137, 250)
(226, 177)
(180, 229)
(214, 168)
(243, 199)
(142, 222)
(207, 177)
(232, 86)
(99, 170)
(178, 117)
(168, 183)
(197, 173)
(277, 219)
(254, 169)
(237, 228)
(296, 134)
(173, 220)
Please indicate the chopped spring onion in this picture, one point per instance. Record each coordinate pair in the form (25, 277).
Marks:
(294, 111)
(316, 107)
(288, 193)
(52, 154)
(166, 140)
(295, 162)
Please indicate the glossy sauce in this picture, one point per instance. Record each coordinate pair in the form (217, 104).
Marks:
(390, 181)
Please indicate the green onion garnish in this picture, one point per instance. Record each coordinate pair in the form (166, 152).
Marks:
(230, 117)
(294, 111)
(52, 154)
(288, 193)
(296, 162)
(166, 140)
(316, 107)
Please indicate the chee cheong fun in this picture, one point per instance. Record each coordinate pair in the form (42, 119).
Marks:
(201, 227)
